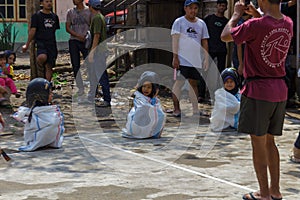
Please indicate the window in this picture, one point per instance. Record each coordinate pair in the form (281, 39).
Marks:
(15, 10)
(7, 8)
(21, 9)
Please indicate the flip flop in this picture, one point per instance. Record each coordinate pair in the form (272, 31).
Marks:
(273, 198)
(176, 114)
(251, 195)
(294, 160)
(201, 113)
(169, 111)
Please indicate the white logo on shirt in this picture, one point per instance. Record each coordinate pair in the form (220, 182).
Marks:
(275, 46)
(191, 32)
(49, 23)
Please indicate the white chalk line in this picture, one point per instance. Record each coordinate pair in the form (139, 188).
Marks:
(172, 165)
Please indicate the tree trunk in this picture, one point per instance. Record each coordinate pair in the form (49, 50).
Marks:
(32, 7)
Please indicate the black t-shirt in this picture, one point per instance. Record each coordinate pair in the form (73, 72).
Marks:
(46, 25)
(292, 13)
(215, 26)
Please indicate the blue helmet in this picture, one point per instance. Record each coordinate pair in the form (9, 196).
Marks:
(38, 91)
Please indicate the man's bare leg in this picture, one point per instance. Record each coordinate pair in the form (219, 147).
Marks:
(176, 94)
(40, 61)
(274, 166)
(49, 72)
(193, 94)
(260, 162)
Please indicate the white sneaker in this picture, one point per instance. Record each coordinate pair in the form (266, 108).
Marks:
(83, 100)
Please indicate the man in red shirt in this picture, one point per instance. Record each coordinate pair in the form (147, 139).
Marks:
(264, 94)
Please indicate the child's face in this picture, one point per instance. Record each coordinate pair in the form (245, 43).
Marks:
(147, 88)
(10, 59)
(2, 62)
(229, 84)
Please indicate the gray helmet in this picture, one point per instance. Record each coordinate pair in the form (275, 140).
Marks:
(38, 91)
(150, 76)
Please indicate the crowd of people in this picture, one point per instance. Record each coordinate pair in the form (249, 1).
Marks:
(256, 106)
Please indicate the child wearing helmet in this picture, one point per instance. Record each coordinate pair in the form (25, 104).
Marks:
(146, 119)
(44, 123)
(225, 113)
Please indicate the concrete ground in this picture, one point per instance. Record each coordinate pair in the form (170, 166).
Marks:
(188, 162)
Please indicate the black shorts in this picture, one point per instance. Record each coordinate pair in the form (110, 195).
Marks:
(190, 72)
(50, 49)
(259, 117)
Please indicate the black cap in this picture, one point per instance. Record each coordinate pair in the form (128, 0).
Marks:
(222, 1)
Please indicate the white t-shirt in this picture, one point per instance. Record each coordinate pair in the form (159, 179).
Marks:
(191, 34)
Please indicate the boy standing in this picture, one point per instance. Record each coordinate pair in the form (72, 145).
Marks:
(77, 25)
(43, 25)
(265, 92)
(189, 34)
(215, 24)
(97, 56)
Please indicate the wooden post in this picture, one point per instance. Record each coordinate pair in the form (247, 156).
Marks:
(32, 6)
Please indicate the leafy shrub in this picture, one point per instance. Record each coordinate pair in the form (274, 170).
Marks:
(8, 35)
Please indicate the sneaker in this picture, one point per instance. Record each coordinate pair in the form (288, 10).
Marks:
(103, 104)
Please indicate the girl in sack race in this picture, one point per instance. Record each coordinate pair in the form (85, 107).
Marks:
(146, 119)
(44, 123)
(225, 113)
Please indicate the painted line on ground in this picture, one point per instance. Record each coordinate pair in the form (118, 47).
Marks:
(172, 165)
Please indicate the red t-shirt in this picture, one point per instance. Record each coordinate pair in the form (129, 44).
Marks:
(267, 41)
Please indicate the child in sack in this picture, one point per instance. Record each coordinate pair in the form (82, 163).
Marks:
(146, 119)
(44, 123)
(225, 113)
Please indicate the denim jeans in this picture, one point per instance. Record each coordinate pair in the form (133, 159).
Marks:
(98, 74)
(75, 48)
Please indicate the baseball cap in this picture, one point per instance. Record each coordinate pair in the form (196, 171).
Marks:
(95, 3)
(189, 2)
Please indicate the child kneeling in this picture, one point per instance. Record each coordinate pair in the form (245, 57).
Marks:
(44, 123)
(225, 114)
(146, 119)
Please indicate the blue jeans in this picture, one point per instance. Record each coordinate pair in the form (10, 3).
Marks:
(98, 74)
(75, 48)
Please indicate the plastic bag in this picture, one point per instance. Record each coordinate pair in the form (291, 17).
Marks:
(45, 129)
(146, 119)
(88, 40)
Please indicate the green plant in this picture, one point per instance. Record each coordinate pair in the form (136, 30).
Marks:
(55, 79)
(8, 35)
